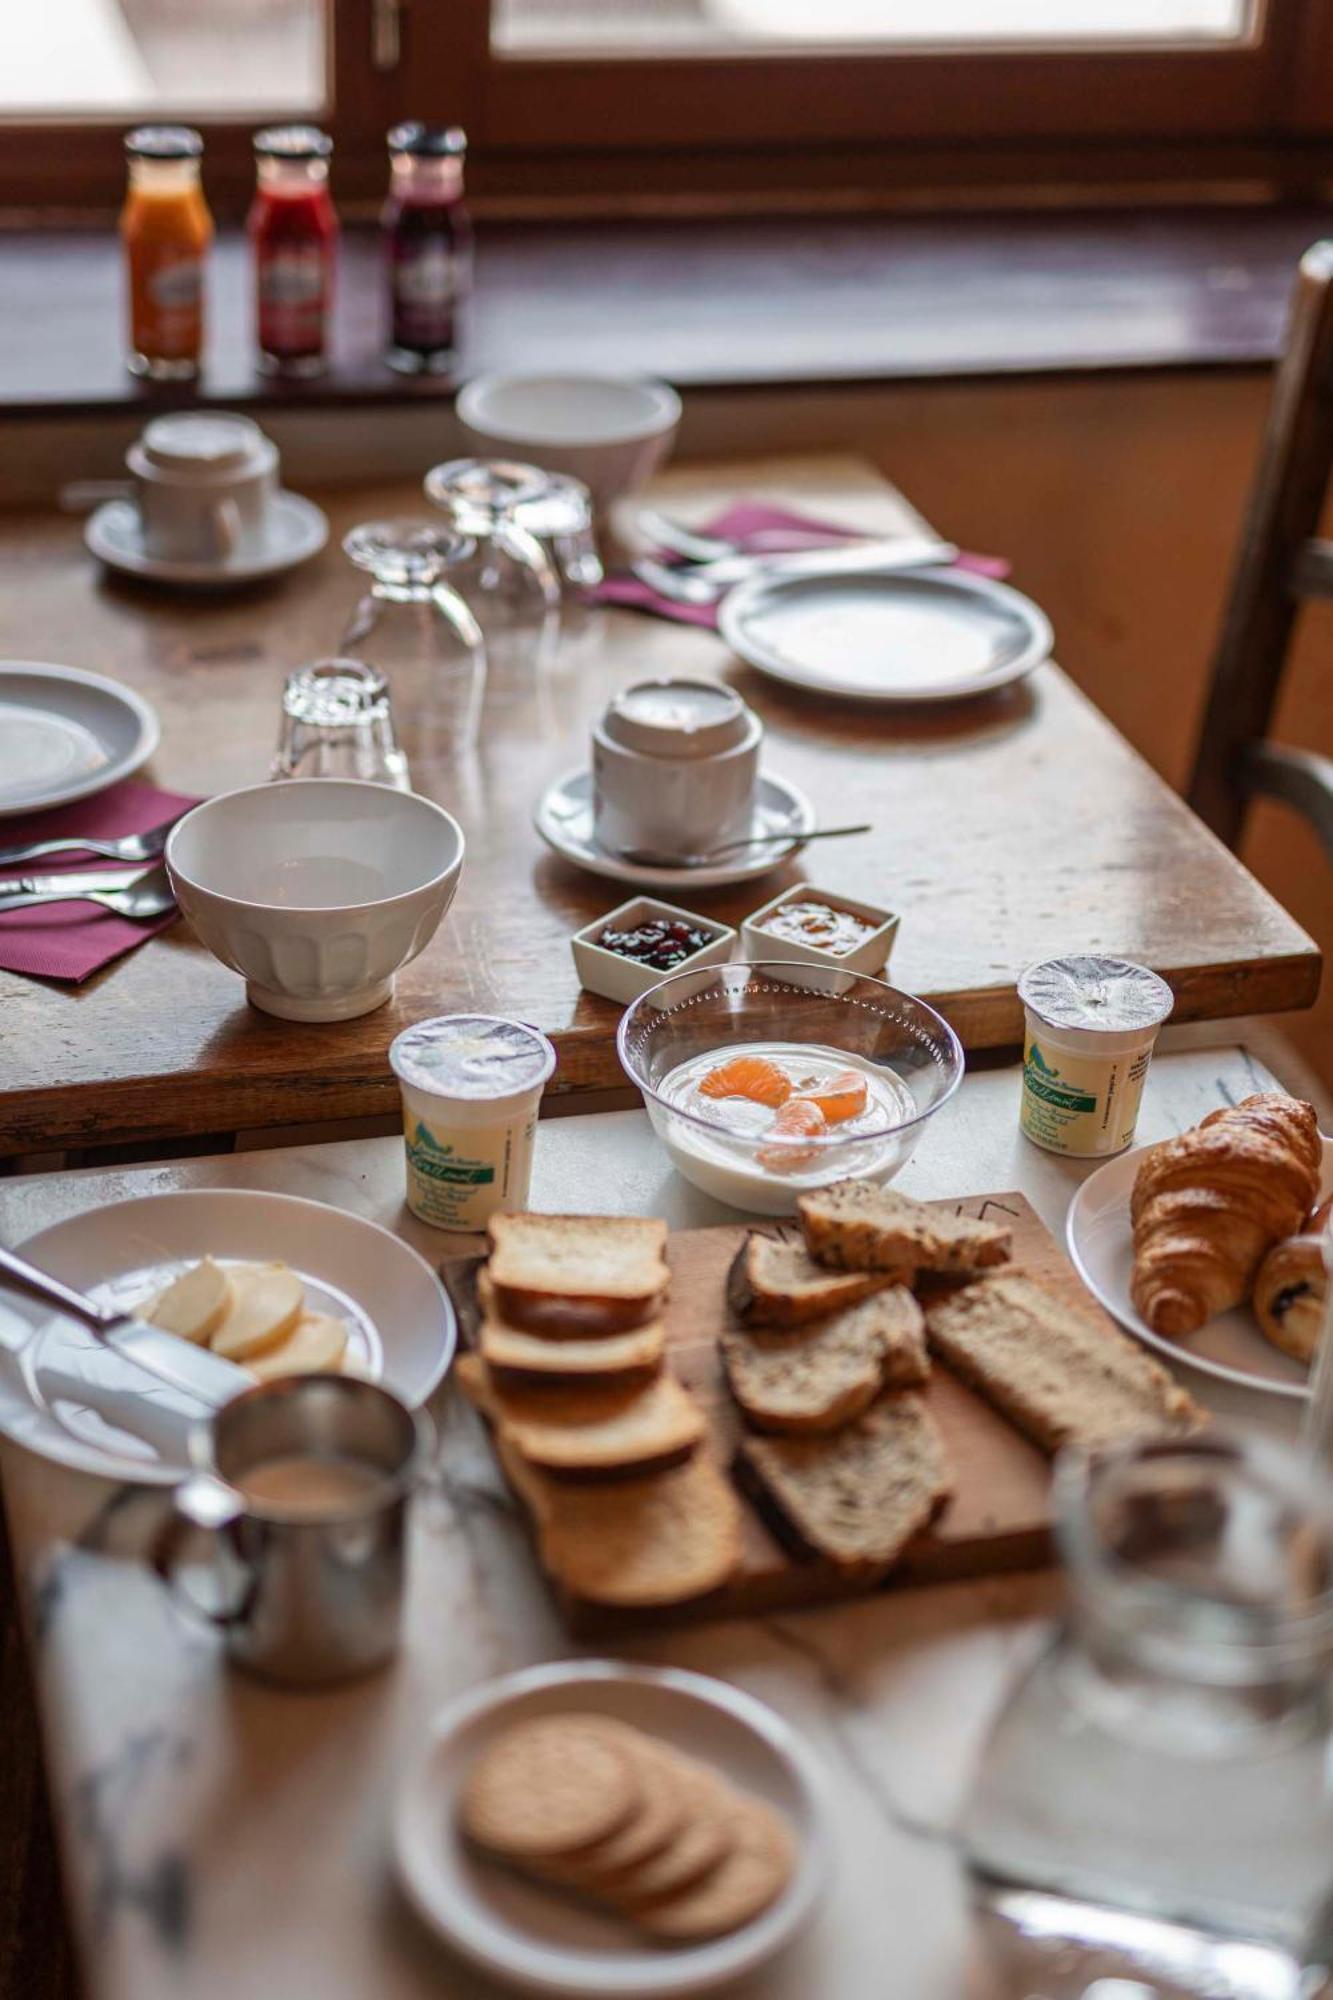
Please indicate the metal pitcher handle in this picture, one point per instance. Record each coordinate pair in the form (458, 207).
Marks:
(201, 1505)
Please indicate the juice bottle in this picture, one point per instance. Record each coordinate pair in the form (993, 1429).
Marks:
(428, 243)
(293, 235)
(166, 229)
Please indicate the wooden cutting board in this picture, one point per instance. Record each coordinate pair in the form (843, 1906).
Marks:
(999, 1517)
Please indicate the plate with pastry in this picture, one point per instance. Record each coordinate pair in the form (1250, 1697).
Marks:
(274, 1283)
(593, 1829)
(1208, 1246)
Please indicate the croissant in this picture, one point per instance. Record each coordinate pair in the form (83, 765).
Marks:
(1208, 1206)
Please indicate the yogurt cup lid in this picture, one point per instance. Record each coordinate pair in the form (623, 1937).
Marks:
(479, 1057)
(1110, 994)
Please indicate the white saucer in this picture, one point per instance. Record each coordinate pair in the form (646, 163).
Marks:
(298, 530)
(564, 821)
(544, 1943)
(65, 734)
(69, 1399)
(1230, 1347)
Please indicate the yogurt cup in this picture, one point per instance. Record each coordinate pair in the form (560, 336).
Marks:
(1091, 1025)
(472, 1085)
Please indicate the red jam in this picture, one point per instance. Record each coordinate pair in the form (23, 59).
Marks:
(660, 942)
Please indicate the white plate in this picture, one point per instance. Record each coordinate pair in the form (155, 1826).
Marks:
(298, 530)
(909, 636)
(401, 1321)
(66, 733)
(564, 821)
(1101, 1245)
(537, 1939)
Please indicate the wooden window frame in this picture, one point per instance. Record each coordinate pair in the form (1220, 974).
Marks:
(852, 128)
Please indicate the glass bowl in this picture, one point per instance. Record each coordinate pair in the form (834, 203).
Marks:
(801, 1014)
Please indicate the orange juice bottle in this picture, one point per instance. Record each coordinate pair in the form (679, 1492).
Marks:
(166, 229)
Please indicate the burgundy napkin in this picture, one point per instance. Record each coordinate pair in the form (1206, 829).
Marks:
(760, 530)
(72, 940)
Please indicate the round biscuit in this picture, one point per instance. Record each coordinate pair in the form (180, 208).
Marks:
(699, 1843)
(549, 1787)
(745, 1881)
(660, 1816)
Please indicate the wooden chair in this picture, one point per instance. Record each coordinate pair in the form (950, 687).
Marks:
(1281, 562)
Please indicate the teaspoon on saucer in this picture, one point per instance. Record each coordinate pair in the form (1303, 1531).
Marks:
(648, 857)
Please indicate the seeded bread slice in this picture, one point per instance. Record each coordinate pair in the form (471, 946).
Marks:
(823, 1375)
(774, 1283)
(574, 1429)
(1059, 1374)
(857, 1226)
(859, 1496)
(577, 1273)
(668, 1537)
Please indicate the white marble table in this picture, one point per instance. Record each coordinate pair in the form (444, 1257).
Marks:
(222, 1841)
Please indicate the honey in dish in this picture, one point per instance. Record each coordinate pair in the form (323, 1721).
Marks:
(310, 1487)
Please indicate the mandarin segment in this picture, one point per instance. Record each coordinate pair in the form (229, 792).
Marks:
(754, 1077)
(799, 1118)
(843, 1096)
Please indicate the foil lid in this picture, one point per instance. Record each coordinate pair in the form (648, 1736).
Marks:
(476, 1056)
(1110, 994)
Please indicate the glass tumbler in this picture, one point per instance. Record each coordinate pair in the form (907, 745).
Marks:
(559, 514)
(415, 625)
(1155, 1802)
(337, 723)
(510, 580)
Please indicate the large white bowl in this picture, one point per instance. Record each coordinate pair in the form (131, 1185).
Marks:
(316, 890)
(611, 432)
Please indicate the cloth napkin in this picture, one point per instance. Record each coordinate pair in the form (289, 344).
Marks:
(761, 530)
(71, 941)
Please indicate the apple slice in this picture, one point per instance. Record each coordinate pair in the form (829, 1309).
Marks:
(317, 1342)
(194, 1305)
(266, 1304)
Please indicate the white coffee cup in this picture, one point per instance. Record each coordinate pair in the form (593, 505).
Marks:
(674, 766)
(205, 484)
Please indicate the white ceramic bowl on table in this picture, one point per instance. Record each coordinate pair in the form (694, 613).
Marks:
(316, 891)
(610, 432)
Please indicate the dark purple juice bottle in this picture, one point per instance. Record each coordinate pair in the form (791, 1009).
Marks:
(428, 241)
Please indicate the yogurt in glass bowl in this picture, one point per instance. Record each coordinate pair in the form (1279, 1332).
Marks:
(765, 1080)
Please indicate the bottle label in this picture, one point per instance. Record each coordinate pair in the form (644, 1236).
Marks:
(1081, 1105)
(172, 289)
(427, 285)
(292, 286)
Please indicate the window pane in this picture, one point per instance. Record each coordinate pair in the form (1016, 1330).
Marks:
(664, 27)
(144, 58)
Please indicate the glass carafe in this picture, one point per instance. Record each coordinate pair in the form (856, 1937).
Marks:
(1155, 1802)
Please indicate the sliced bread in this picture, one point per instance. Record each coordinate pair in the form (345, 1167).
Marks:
(577, 1273)
(858, 1226)
(575, 1429)
(857, 1497)
(1060, 1373)
(668, 1537)
(775, 1283)
(821, 1376)
(519, 1357)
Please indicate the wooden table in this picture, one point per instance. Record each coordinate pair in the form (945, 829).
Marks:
(221, 1841)
(1006, 830)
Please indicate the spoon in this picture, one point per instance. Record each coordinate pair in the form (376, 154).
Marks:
(147, 896)
(647, 857)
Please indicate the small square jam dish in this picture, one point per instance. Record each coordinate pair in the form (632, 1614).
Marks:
(818, 928)
(633, 948)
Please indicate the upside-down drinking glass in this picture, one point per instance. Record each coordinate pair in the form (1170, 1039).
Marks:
(337, 723)
(559, 514)
(509, 580)
(414, 624)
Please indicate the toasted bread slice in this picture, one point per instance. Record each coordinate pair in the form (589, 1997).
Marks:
(820, 1377)
(773, 1283)
(858, 1497)
(572, 1429)
(668, 1537)
(577, 1273)
(857, 1226)
(1059, 1373)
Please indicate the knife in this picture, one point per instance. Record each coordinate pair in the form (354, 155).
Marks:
(901, 552)
(72, 881)
(206, 1376)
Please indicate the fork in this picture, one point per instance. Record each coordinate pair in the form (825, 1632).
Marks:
(130, 846)
(141, 897)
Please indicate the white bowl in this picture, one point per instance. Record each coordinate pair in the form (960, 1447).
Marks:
(618, 978)
(316, 890)
(610, 432)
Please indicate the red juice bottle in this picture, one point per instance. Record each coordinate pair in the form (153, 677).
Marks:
(428, 244)
(294, 237)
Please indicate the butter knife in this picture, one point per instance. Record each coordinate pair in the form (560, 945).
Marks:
(206, 1376)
